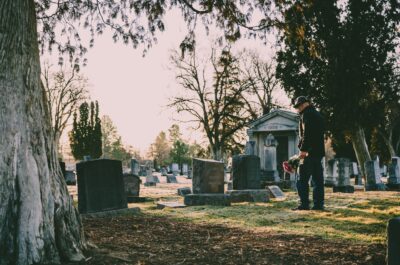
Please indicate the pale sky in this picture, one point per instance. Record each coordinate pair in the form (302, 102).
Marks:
(134, 90)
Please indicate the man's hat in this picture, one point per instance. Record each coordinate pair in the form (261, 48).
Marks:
(300, 100)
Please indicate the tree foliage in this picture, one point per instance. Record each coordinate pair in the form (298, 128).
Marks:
(112, 146)
(341, 54)
(86, 137)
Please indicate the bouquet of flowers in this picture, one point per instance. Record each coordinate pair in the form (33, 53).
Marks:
(292, 164)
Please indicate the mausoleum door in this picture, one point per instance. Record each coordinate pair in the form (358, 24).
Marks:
(282, 153)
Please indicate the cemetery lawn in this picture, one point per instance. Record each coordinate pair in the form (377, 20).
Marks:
(351, 231)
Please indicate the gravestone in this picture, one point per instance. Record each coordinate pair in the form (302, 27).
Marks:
(164, 171)
(142, 171)
(394, 174)
(132, 185)
(171, 178)
(208, 176)
(275, 192)
(393, 241)
(190, 174)
(184, 191)
(175, 169)
(248, 195)
(373, 178)
(70, 177)
(245, 172)
(343, 179)
(218, 199)
(100, 186)
(271, 168)
(355, 172)
(250, 148)
(63, 170)
(331, 173)
(135, 167)
(185, 169)
(150, 184)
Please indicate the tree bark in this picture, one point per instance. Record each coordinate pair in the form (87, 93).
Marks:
(388, 139)
(39, 223)
(360, 148)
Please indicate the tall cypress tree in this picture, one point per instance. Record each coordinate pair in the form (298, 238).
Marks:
(85, 137)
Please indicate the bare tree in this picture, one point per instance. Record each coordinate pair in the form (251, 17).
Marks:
(212, 96)
(264, 88)
(66, 90)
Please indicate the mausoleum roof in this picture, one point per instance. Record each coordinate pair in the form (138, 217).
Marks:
(275, 112)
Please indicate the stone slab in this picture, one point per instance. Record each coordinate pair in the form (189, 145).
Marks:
(171, 179)
(275, 192)
(393, 187)
(132, 184)
(218, 199)
(100, 186)
(246, 172)
(393, 241)
(162, 205)
(208, 176)
(150, 184)
(184, 191)
(249, 195)
(344, 189)
(127, 211)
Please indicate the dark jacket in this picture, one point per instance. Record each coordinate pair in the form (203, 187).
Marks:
(312, 128)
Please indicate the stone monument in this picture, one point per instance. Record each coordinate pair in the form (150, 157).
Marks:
(343, 177)
(373, 178)
(135, 167)
(271, 170)
(394, 174)
(100, 186)
(246, 172)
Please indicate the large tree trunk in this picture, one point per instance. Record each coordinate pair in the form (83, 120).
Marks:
(388, 139)
(360, 147)
(38, 222)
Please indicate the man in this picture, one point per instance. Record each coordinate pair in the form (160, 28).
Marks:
(312, 150)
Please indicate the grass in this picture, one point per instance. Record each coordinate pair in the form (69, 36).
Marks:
(361, 216)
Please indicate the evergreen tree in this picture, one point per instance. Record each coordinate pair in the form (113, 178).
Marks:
(85, 137)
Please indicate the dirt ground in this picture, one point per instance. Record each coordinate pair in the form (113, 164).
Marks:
(161, 239)
(147, 240)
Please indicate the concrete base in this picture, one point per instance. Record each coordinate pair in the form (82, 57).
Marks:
(375, 187)
(134, 210)
(184, 191)
(135, 199)
(162, 205)
(207, 199)
(393, 187)
(248, 195)
(344, 189)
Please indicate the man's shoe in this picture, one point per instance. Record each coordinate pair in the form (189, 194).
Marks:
(301, 208)
(318, 208)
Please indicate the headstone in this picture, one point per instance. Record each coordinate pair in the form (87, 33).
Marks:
(246, 172)
(63, 170)
(185, 169)
(355, 173)
(248, 195)
(70, 177)
(250, 148)
(150, 184)
(190, 174)
(394, 174)
(393, 241)
(132, 185)
(171, 178)
(142, 171)
(373, 181)
(331, 173)
(208, 176)
(135, 167)
(100, 186)
(175, 169)
(218, 199)
(162, 205)
(343, 179)
(184, 191)
(275, 192)
(164, 171)
(270, 147)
